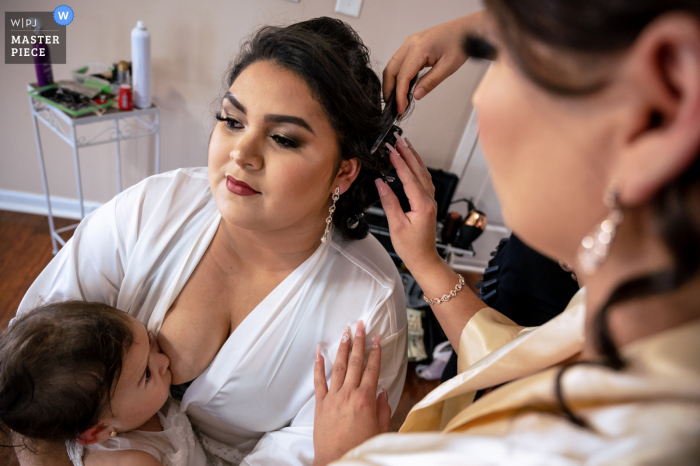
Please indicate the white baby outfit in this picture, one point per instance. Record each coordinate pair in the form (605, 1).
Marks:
(176, 445)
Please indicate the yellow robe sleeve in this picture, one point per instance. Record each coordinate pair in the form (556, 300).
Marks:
(487, 331)
(494, 350)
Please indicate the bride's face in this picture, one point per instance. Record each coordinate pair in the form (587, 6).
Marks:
(273, 159)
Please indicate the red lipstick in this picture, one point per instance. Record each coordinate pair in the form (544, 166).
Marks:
(239, 187)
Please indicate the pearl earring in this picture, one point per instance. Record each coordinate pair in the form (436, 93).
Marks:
(336, 196)
(595, 247)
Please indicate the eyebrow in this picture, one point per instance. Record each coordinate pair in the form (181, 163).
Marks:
(230, 97)
(271, 118)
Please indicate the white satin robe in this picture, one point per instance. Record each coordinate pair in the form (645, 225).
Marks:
(646, 414)
(136, 253)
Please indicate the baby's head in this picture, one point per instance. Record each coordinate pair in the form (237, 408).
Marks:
(79, 371)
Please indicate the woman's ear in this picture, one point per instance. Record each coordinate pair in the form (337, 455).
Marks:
(662, 73)
(349, 169)
(95, 434)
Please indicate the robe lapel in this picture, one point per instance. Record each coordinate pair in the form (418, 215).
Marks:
(663, 367)
(529, 351)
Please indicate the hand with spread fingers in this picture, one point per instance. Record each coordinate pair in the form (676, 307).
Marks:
(412, 233)
(440, 47)
(348, 412)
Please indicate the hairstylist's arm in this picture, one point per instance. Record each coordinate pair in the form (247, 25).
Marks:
(440, 47)
(413, 237)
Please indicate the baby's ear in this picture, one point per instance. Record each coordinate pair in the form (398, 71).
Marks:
(95, 434)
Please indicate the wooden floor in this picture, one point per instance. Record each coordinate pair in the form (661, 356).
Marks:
(25, 249)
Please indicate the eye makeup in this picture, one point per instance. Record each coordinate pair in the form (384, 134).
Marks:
(478, 47)
(282, 140)
(229, 121)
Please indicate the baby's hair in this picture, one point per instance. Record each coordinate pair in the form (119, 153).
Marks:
(59, 365)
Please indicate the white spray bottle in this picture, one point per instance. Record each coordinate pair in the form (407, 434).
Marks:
(141, 65)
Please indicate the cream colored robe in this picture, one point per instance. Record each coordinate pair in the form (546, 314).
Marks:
(649, 413)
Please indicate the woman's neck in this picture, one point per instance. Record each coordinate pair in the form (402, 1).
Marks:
(268, 251)
(637, 252)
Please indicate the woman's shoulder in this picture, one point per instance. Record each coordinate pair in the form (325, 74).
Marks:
(170, 198)
(369, 255)
(180, 185)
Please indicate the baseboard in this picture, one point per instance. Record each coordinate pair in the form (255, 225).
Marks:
(29, 203)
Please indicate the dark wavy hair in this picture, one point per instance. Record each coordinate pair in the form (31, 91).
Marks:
(587, 31)
(59, 365)
(335, 64)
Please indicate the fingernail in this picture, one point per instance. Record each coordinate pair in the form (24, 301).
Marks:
(360, 330)
(381, 186)
(408, 143)
(346, 334)
(419, 93)
(318, 352)
(376, 339)
(392, 149)
(399, 139)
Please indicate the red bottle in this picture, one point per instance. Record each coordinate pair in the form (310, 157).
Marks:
(125, 100)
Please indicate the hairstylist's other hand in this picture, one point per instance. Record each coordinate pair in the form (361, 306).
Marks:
(440, 47)
(348, 413)
(412, 233)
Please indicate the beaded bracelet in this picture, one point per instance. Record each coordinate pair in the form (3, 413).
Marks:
(450, 295)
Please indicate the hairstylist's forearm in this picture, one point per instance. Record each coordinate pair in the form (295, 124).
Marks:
(413, 237)
(438, 280)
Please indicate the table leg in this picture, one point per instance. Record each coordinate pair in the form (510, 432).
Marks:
(44, 181)
(77, 173)
(119, 158)
(157, 122)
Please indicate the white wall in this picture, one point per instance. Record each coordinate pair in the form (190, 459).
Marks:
(475, 184)
(192, 43)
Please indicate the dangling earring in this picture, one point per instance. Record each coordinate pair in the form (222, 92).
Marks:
(336, 196)
(595, 247)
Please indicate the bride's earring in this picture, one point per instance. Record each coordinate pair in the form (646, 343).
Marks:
(336, 196)
(595, 247)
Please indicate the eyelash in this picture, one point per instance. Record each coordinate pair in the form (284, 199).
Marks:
(283, 142)
(478, 47)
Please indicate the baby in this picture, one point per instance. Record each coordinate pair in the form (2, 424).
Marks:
(94, 377)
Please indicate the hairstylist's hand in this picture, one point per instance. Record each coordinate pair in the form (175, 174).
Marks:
(348, 413)
(412, 233)
(440, 47)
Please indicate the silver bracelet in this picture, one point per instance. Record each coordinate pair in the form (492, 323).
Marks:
(450, 295)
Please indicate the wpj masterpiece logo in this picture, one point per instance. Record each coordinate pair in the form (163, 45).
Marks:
(36, 36)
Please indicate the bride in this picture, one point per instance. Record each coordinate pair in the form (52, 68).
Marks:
(241, 268)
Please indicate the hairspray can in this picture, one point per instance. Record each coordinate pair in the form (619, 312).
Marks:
(42, 60)
(141, 65)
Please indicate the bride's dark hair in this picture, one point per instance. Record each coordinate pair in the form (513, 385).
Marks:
(587, 30)
(331, 58)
